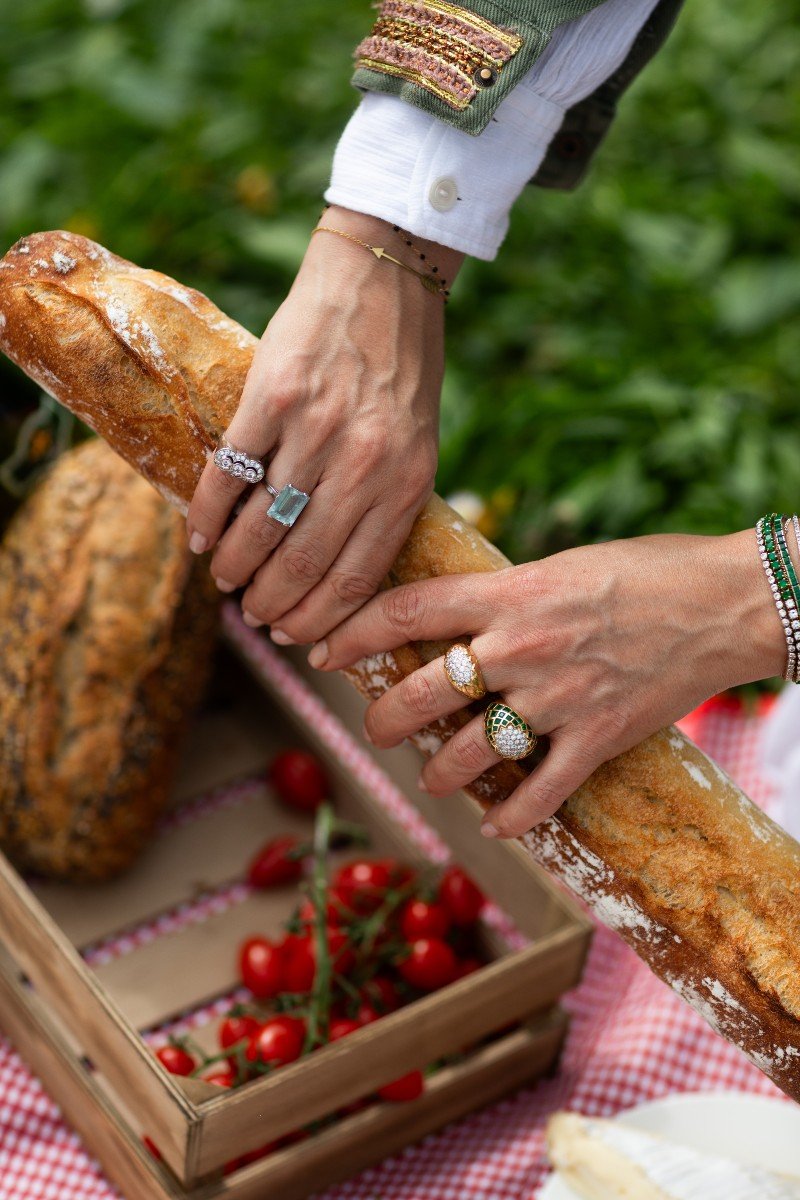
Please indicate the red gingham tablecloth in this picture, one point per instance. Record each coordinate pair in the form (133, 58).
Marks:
(631, 1039)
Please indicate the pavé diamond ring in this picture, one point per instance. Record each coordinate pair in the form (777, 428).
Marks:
(238, 464)
(287, 503)
(507, 732)
(464, 672)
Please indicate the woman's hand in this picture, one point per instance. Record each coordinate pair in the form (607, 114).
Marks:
(344, 394)
(596, 647)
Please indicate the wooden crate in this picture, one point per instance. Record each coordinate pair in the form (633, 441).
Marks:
(79, 1026)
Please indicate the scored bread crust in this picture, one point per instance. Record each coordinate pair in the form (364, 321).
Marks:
(661, 844)
(106, 625)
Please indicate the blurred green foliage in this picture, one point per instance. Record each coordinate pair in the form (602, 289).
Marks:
(629, 363)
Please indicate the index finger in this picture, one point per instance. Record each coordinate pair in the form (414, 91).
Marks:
(447, 607)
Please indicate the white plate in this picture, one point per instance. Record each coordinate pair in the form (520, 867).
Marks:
(749, 1129)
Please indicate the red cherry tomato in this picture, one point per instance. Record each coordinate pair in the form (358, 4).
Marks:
(400, 873)
(333, 912)
(367, 1014)
(340, 1028)
(176, 1060)
(381, 993)
(299, 780)
(465, 966)
(419, 919)
(301, 964)
(408, 1087)
(237, 1028)
(462, 898)
(273, 866)
(363, 884)
(430, 965)
(279, 1041)
(150, 1145)
(261, 967)
(225, 1079)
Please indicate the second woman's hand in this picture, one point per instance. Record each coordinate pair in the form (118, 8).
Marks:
(343, 394)
(597, 648)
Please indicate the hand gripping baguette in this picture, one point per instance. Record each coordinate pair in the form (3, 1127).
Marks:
(659, 842)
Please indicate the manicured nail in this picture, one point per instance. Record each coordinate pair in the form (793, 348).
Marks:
(281, 639)
(225, 585)
(252, 621)
(421, 785)
(488, 830)
(198, 543)
(318, 655)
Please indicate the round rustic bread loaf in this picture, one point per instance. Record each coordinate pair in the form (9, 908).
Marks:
(105, 634)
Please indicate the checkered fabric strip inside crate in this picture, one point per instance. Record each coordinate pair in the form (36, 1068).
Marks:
(631, 1039)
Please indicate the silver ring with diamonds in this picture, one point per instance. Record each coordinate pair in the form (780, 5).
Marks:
(287, 504)
(508, 733)
(238, 464)
(463, 671)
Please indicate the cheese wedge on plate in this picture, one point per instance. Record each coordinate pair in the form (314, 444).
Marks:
(607, 1160)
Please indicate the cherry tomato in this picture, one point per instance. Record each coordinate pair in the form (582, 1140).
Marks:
(176, 1060)
(301, 964)
(408, 1087)
(272, 866)
(363, 884)
(430, 965)
(381, 993)
(419, 919)
(333, 912)
(236, 1028)
(150, 1145)
(261, 967)
(299, 780)
(465, 966)
(367, 1014)
(340, 1027)
(225, 1079)
(399, 873)
(462, 898)
(279, 1041)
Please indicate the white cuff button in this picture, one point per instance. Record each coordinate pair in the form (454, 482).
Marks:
(443, 194)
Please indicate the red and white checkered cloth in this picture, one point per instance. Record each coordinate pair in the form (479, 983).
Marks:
(631, 1039)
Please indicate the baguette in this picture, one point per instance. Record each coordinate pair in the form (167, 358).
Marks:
(659, 842)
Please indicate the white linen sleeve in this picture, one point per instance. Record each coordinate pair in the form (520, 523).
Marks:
(402, 164)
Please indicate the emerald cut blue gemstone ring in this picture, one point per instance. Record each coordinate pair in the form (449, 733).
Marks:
(287, 504)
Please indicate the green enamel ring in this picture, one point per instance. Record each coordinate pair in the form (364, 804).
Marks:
(507, 732)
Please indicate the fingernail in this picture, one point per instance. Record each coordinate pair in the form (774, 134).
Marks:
(488, 830)
(198, 543)
(281, 639)
(225, 585)
(252, 621)
(365, 735)
(421, 785)
(318, 654)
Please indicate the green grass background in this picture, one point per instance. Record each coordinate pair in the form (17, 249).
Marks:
(629, 363)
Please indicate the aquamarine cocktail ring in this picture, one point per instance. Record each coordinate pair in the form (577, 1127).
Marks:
(287, 504)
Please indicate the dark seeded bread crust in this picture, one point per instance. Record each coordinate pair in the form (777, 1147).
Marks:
(105, 632)
(659, 842)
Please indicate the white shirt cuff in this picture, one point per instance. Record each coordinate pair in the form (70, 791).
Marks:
(406, 166)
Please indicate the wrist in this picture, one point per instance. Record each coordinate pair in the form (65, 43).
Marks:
(759, 643)
(380, 232)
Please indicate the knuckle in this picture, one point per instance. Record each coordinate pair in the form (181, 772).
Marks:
(404, 608)
(420, 695)
(353, 588)
(473, 754)
(302, 564)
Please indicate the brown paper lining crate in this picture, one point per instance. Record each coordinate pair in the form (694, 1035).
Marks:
(65, 1012)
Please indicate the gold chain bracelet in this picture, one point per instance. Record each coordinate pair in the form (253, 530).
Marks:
(429, 282)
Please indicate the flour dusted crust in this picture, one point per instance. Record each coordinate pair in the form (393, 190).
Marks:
(659, 842)
(105, 632)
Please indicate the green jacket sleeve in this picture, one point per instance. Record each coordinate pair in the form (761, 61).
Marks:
(458, 61)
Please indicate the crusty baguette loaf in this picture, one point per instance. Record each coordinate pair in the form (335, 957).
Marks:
(106, 627)
(659, 842)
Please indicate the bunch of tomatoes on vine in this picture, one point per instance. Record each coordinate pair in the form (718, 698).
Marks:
(367, 936)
